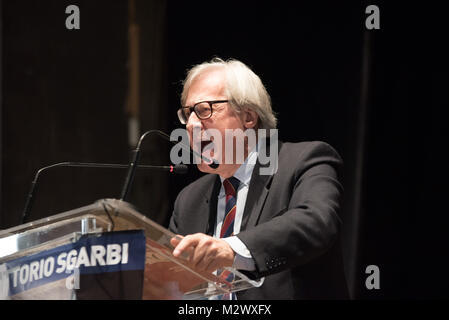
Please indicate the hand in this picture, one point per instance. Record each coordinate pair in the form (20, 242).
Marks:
(205, 252)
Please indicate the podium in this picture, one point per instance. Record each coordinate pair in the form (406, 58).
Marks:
(106, 250)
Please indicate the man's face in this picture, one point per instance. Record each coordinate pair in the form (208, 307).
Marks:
(207, 87)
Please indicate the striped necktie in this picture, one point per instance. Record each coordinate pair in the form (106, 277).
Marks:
(231, 185)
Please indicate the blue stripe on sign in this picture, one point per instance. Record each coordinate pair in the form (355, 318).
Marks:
(107, 252)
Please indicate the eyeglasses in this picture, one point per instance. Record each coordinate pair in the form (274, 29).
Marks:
(203, 110)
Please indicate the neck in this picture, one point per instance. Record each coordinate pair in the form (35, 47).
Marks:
(228, 170)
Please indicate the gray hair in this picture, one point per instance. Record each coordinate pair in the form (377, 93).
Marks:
(243, 88)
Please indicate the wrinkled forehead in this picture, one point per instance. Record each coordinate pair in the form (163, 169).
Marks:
(210, 84)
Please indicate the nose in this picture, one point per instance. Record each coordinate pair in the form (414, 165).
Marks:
(194, 127)
(193, 122)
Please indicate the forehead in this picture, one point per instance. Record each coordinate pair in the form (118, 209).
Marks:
(209, 85)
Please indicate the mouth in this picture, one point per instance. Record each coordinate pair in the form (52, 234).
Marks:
(207, 151)
(204, 144)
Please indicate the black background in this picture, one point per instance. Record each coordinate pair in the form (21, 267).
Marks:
(380, 97)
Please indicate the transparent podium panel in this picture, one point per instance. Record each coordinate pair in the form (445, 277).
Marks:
(32, 254)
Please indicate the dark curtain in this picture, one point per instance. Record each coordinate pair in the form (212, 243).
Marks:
(403, 225)
(64, 93)
(65, 100)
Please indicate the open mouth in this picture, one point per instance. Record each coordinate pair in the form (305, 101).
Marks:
(204, 144)
(207, 150)
(203, 147)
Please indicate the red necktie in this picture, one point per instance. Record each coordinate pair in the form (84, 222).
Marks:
(231, 186)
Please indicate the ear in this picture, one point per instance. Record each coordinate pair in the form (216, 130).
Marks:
(250, 119)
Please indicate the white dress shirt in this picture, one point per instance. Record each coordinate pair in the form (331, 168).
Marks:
(243, 259)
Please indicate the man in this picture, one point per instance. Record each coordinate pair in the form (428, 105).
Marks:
(283, 226)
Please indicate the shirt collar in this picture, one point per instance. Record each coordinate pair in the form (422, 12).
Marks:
(245, 171)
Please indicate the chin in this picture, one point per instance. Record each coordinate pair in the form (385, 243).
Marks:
(204, 167)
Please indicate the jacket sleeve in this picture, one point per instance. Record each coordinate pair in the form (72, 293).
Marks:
(173, 226)
(309, 225)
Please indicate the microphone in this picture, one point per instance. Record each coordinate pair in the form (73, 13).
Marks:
(135, 160)
(212, 162)
(180, 168)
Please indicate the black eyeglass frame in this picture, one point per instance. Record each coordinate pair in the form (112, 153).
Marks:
(182, 117)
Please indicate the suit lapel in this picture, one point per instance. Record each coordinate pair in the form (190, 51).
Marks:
(257, 193)
(210, 204)
(259, 187)
(255, 200)
(202, 217)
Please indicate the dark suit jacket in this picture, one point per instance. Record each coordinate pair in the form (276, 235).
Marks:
(290, 223)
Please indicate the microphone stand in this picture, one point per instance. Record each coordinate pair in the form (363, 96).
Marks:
(133, 165)
(30, 198)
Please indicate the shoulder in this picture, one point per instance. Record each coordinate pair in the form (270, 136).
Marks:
(189, 205)
(301, 156)
(308, 149)
(198, 187)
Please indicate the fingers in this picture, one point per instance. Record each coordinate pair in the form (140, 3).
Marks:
(205, 252)
(202, 249)
(212, 265)
(185, 243)
(175, 240)
(219, 255)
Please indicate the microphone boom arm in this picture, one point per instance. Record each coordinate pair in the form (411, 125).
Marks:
(32, 192)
